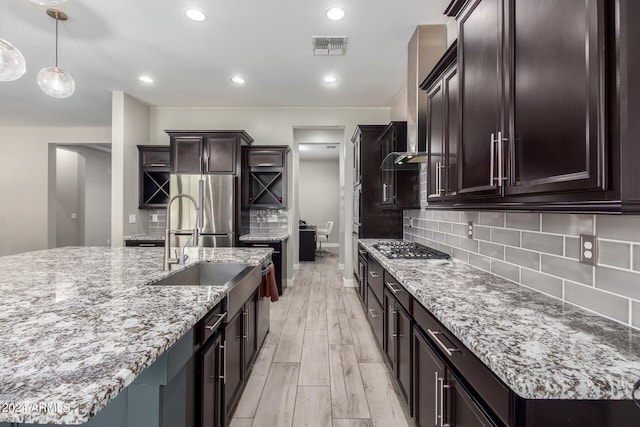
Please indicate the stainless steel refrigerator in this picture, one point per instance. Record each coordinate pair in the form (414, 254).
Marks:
(217, 218)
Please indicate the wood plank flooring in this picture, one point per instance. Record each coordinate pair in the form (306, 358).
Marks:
(320, 364)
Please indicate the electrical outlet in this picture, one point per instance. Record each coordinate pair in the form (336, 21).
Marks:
(588, 249)
(132, 218)
(410, 222)
(74, 215)
(470, 230)
(154, 217)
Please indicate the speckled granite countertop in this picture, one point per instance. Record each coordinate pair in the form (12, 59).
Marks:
(79, 324)
(540, 347)
(144, 237)
(274, 237)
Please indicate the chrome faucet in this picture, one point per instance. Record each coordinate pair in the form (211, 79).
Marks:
(179, 259)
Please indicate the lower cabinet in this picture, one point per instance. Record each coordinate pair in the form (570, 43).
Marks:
(397, 343)
(439, 398)
(212, 378)
(279, 258)
(375, 315)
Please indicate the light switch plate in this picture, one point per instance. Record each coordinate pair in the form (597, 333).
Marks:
(410, 222)
(588, 249)
(132, 218)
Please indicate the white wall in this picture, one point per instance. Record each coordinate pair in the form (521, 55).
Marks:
(24, 172)
(97, 215)
(319, 186)
(68, 220)
(129, 127)
(276, 126)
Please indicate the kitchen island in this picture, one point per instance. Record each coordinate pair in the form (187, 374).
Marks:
(545, 351)
(80, 324)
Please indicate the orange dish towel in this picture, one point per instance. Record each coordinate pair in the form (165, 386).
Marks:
(268, 286)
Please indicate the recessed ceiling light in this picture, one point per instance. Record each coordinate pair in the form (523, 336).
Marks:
(335, 13)
(145, 79)
(330, 79)
(195, 14)
(237, 79)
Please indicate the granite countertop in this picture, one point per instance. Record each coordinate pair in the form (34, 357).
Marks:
(539, 346)
(79, 323)
(260, 237)
(145, 237)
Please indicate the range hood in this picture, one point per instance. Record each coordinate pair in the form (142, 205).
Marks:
(426, 47)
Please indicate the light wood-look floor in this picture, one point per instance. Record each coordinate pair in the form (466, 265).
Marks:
(320, 364)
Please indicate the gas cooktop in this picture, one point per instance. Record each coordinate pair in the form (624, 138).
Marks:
(409, 250)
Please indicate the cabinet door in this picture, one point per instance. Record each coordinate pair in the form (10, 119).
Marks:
(480, 68)
(375, 315)
(403, 353)
(387, 178)
(464, 411)
(186, 154)
(250, 330)
(557, 96)
(220, 154)
(234, 336)
(211, 396)
(428, 375)
(389, 344)
(435, 140)
(266, 158)
(450, 172)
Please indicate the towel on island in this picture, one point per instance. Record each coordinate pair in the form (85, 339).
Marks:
(268, 286)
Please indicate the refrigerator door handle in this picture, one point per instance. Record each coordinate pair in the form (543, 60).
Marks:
(201, 203)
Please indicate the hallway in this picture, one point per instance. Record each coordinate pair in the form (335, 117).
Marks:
(320, 364)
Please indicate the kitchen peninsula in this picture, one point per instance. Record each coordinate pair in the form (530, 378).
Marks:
(80, 324)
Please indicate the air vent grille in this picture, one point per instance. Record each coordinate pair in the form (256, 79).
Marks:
(323, 46)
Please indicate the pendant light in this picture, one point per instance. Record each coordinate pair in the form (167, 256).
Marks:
(12, 63)
(55, 81)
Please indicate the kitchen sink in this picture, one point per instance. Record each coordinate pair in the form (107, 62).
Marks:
(241, 280)
(206, 274)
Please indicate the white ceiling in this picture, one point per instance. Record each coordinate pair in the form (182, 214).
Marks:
(106, 45)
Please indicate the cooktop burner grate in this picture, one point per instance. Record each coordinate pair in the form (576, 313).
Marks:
(409, 250)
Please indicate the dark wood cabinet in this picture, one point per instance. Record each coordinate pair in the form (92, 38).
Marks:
(264, 172)
(211, 386)
(250, 335)
(441, 86)
(206, 152)
(234, 364)
(278, 257)
(399, 189)
(543, 96)
(370, 219)
(428, 373)
(375, 316)
(153, 172)
(397, 341)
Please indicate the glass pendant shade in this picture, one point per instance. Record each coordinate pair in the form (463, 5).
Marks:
(12, 63)
(56, 82)
(49, 2)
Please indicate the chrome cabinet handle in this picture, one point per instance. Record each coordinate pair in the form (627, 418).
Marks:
(218, 322)
(223, 358)
(394, 288)
(447, 350)
(256, 245)
(439, 179)
(491, 162)
(374, 274)
(441, 387)
(384, 192)
(245, 327)
(373, 315)
(500, 143)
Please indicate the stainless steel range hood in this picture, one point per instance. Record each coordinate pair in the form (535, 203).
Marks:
(426, 47)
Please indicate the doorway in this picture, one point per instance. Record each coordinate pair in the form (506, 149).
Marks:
(81, 195)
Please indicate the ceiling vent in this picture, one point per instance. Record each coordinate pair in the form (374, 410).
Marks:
(323, 46)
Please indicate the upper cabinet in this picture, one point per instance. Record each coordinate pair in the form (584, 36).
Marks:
(207, 152)
(153, 172)
(542, 88)
(264, 176)
(399, 189)
(441, 86)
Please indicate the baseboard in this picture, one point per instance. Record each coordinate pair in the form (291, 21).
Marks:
(349, 283)
(330, 245)
(290, 283)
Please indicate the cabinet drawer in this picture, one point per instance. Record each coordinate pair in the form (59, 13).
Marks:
(276, 246)
(488, 387)
(398, 291)
(375, 278)
(266, 158)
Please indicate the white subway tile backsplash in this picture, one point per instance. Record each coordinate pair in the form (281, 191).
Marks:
(541, 251)
(524, 221)
(567, 268)
(614, 254)
(593, 299)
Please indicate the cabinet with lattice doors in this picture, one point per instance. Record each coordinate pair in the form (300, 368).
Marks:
(153, 191)
(264, 171)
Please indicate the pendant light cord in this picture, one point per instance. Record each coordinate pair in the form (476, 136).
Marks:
(56, 42)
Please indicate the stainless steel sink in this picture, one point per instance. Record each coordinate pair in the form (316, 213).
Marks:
(241, 280)
(206, 274)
